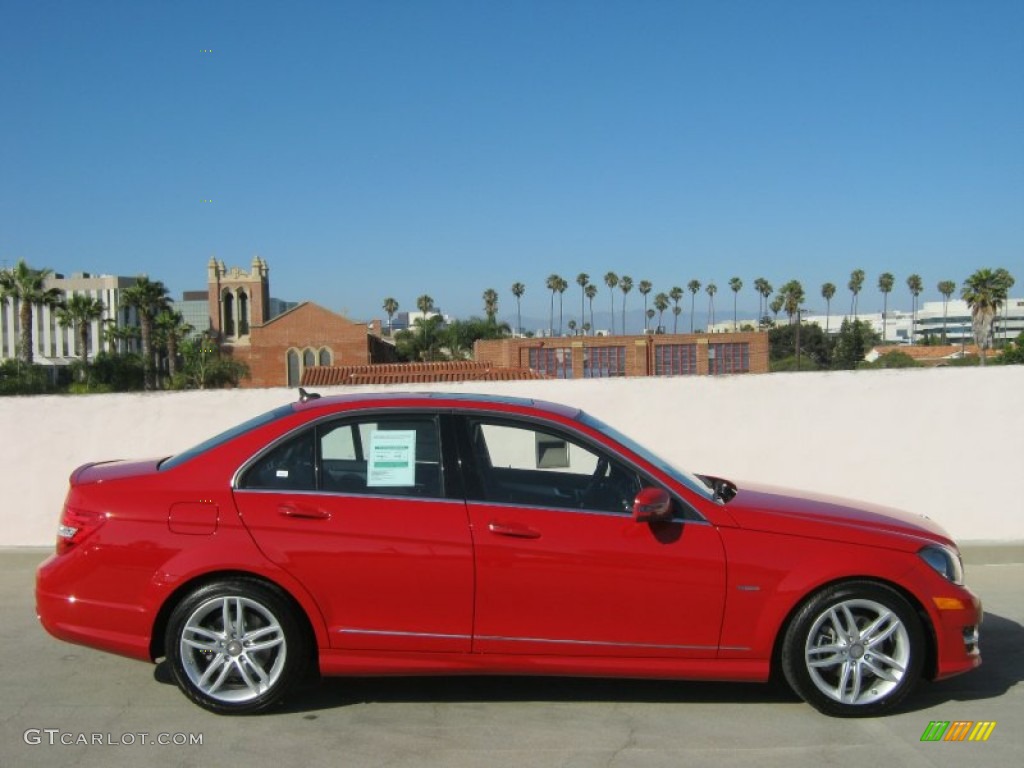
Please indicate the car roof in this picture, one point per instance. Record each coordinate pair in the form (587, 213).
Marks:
(437, 400)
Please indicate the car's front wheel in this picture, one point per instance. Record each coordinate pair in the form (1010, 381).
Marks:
(235, 646)
(854, 649)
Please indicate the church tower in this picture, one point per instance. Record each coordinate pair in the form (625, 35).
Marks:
(238, 299)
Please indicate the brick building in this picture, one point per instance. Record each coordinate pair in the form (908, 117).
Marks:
(579, 357)
(279, 350)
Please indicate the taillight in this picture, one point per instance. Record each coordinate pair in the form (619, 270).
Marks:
(75, 526)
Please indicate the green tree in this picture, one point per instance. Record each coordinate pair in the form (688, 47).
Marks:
(855, 285)
(885, 284)
(390, 307)
(27, 286)
(1012, 353)
(612, 280)
(591, 291)
(896, 359)
(736, 285)
(915, 285)
(490, 304)
(661, 304)
(460, 335)
(828, 290)
(984, 291)
(625, 285)
(644, 286)
(1007, 281)
(563, 284)
(582, 280)
(854, 340)
(676, 294)
(572, 326)
(518, 289)
(815, 346)
(425, 304)
(694, 288)
(172, 330)
(148, 298)
(205, 366)
(947, 288)
(80, 311)
(711, 289)
(776, 306)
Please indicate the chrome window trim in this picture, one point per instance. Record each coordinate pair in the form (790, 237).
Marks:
(341, 494)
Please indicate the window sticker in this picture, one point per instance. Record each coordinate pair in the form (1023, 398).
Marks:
(392, 460)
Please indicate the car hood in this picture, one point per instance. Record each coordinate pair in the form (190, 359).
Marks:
(798, 513)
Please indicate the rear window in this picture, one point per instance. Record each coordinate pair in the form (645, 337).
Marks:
(223, 437)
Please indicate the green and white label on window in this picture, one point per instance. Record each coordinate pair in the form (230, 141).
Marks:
(392, 460)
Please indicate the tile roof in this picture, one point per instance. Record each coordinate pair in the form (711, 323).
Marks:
(923, 353)
(412, 373)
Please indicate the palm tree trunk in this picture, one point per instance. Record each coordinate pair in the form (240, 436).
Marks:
(25, 318)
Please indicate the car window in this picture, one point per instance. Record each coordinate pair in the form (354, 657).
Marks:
(384, 456)
(290, 466)
(381, 456)
(531, 466)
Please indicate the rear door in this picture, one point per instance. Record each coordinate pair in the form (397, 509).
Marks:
(361, 511)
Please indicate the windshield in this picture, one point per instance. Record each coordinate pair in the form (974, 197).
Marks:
(223, 437)
(688, 479)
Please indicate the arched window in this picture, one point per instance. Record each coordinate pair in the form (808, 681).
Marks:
(227, 323)
(243, 313)
(292, 359)
(325, 356)
(308, 358)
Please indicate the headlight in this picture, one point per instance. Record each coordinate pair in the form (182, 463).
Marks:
(945, 561)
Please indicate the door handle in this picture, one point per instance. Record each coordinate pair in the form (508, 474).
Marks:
(292, 510)
(515, 530)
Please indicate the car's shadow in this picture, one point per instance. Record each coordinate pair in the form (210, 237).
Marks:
(1003, 668)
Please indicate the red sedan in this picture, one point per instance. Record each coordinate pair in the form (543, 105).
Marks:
(452, 534)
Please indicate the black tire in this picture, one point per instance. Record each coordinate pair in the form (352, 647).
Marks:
(839, 669)
(236, 647)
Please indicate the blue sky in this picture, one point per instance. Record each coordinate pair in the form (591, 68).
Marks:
(373, 149)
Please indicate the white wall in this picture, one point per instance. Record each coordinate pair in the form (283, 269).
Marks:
(945, 442)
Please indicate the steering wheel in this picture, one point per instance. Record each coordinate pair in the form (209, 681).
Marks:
(597, 478)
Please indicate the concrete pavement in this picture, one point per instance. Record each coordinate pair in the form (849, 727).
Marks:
(52, 692)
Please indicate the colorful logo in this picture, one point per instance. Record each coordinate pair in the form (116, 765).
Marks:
(958, 730)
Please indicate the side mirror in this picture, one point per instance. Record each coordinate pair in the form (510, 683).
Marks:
(652, 505)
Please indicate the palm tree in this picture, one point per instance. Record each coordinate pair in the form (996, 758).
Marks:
(792, 294)
(612, 280)
(984, 293)
(946, 288)
(916, 286)
(676, 294)
(81, 311)
(885, 283)
(625, 285)
(828, 290)
(776, 306)
(425, 304)
(148, 298)
(855, 284)
(660, 304)
(676, 312)
(490, 304)
(736, 285)
(562, 286)
(572, 326)
(518, 289)
(694, 287)
(712, 289)
(764, 289)
(1007, 283)
(644, 286)
(390, 307)
(582, 280)
(173, 330)
(591, 291)
(27, 286)
(552, 284)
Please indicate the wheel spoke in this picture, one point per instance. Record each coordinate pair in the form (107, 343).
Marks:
(880, 635)
(239, 617)
(202, 645)
(240, 665)
(880, 673)
(219, 662)
(888, 661)
(225, 611)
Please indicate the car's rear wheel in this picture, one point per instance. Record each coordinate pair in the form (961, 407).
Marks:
(854, 649)
(235, 646)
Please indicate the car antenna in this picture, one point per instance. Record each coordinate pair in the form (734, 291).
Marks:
(304, 395)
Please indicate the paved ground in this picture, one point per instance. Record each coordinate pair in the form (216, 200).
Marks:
(47, 684)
